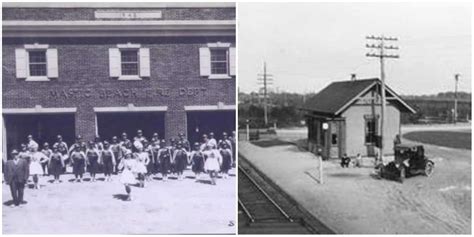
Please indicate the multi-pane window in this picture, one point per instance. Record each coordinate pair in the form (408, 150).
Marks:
(129, 59)
(370, 130)
(37, 63)
(219, 61)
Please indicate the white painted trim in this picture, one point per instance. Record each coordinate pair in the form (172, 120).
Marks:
(36, 46)
(208, 107)
(129, 78)
(218, 45)
(38, 110)
(118, 5)
(128, 46)
(219, 76)
(118, 28)
(131, 109)
(37, 78)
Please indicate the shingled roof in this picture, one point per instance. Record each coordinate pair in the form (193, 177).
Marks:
(338, 95)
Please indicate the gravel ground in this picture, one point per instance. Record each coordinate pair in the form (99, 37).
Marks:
(351, 201)
(98, 208)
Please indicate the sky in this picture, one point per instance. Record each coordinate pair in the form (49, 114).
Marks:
(308, 45)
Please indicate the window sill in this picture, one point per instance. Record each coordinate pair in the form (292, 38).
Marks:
(129, 78)
(37, 78)
(217, 76)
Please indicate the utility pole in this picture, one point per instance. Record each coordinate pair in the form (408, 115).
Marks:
(265, 80)
(456, 80)
(381, 47)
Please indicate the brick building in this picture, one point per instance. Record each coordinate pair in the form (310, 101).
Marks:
(89, 68)
(345, 117)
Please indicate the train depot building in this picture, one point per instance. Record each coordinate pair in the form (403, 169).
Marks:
(88, 69)
(344, 118)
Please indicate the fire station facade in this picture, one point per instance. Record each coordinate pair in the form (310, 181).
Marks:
(92, 71)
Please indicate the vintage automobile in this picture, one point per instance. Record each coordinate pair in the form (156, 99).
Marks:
(410, 160)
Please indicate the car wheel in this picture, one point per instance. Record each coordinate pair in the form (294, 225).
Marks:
(429, 168)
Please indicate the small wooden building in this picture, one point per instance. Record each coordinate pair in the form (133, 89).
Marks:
(344, 117)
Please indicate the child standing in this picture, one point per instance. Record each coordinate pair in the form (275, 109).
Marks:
(212, 163)
(142, 161)
(78, 159)
(197, 161)
(226, 164)
(180, 159)
(56, 163)
(92, 154)
(164, 155)
(37, 158)
(108, 161)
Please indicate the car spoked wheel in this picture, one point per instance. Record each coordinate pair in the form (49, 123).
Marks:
(429, 168)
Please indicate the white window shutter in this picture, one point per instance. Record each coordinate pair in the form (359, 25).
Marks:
(114, 62)
(21, 63)
(52, 63)
(205, 61)
(232, 61)
(144, 62)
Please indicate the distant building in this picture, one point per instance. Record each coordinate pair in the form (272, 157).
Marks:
(344, 117)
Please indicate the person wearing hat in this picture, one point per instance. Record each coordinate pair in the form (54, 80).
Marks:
(47, 152)
(16, 173)
(179, 160)
(212, 141)
(226, 163)
(116, 148)
(184, 141)
(164, 157)
(98, 143)
(107, 159)
(36, 169)
(78, 159)
(56, 163)
(92, 159)
(124, 139)
(24, 153)
(127, 178)
(197, 161)
(32, 142)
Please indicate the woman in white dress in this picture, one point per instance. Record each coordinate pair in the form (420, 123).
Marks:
(142, 158)
(36, 169)
(213, 163)
(127, 177)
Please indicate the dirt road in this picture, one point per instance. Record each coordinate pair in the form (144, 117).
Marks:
(351, 201)
(98, 208)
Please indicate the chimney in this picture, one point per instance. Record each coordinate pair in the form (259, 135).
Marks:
(353, 77)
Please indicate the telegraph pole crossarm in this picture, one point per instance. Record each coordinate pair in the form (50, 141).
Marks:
(381, 47)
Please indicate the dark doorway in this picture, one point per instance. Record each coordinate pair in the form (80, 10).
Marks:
(43, 127)
(114, 124)
(204, 122)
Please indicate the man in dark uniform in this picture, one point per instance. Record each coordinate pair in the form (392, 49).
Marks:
(16, 175)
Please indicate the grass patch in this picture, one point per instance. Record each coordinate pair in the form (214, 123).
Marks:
(270, 143)
(442, 138)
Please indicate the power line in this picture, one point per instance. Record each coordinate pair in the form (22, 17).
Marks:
(381, 47)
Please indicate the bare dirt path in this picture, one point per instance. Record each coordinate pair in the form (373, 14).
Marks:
(97, 208)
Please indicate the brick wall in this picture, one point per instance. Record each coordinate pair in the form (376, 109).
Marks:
(84, 80)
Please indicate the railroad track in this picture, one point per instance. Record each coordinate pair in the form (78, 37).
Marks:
(263, 215)
(264, 208)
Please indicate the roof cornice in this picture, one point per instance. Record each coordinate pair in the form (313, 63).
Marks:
(118, 28)
(116, 5)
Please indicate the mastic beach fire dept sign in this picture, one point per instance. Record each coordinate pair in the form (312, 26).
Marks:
(74, 93)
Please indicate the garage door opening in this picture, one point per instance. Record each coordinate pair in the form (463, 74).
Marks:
(43, 127)
(204, 122)
(114, 124)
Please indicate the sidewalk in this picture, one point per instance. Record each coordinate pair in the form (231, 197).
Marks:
(352, 202)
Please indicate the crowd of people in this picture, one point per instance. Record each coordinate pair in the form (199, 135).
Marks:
(135, 160)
